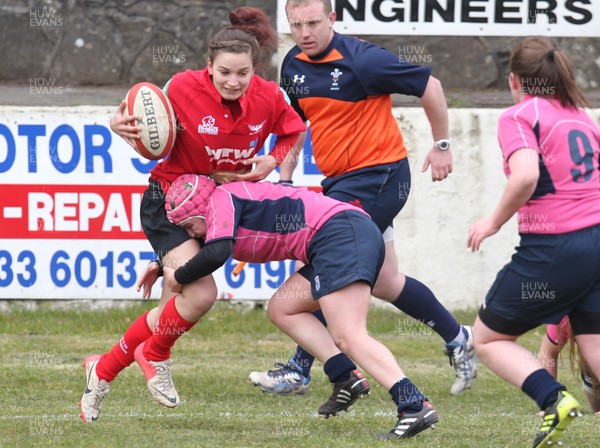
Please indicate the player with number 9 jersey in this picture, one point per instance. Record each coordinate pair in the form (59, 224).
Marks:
(567, 142)
(551, 148)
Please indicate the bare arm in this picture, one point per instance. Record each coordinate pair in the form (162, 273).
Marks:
(287, 167)
(436, 109)
(284, 146)
(525, 172)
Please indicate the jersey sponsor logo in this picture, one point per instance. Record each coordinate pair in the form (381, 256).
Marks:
(223, 154)
(335, 77)
(208, 126)
(256, 128)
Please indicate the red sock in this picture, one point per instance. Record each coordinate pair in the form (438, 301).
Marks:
(170, 327)
(121, 355)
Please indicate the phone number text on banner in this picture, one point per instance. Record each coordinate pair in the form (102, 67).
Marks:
(89, 270)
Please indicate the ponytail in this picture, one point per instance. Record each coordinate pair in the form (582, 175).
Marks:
(569, 93)
(544, 70)
(255, 22)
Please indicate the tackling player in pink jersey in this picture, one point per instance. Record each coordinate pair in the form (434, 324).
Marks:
(342, 250)
(551, 149)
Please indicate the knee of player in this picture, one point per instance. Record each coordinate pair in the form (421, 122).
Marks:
(274, 312)
(345, 338)
(199, 294)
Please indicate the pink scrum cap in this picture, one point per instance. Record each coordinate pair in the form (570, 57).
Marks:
(187, 197)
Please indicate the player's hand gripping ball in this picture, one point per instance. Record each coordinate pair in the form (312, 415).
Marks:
(155, 117)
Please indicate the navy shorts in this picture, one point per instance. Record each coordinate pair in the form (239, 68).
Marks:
(162, 233)
(347, 249)
(380, 190)
(548, 277)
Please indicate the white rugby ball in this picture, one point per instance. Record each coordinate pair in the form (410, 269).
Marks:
(155, 117)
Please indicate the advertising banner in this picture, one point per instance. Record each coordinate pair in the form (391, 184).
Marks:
(569, 18)
(69, 212)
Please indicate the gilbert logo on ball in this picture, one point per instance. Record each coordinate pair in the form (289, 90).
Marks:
(155, 117)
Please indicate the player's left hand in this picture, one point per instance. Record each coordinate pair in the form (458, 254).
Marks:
(148, 279)
(264, 166)
(440, 162)
(479, 231)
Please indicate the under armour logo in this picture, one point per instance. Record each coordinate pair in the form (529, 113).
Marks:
(298, 79)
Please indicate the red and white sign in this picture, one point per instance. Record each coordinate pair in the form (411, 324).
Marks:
(69, 212)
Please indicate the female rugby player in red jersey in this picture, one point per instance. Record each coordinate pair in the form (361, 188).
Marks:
(224, 112)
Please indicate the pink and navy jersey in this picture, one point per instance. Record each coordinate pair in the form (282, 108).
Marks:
(346, 94)
(268, 222)
(212, 137)
(567, 140)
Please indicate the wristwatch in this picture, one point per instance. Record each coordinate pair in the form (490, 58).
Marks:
(442, 145)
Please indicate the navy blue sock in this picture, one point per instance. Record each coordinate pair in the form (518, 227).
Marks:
(418, 302)
(302, 358)
(543, 388)
(338, 368)
(407, 396)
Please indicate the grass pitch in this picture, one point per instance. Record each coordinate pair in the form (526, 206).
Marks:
(41, 382)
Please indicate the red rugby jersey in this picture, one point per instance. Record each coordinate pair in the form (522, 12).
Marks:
(209, 139)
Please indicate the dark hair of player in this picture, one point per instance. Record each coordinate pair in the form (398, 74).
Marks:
(545, 70)
(250, 32)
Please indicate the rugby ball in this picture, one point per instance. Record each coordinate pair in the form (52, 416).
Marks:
(155, 117)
